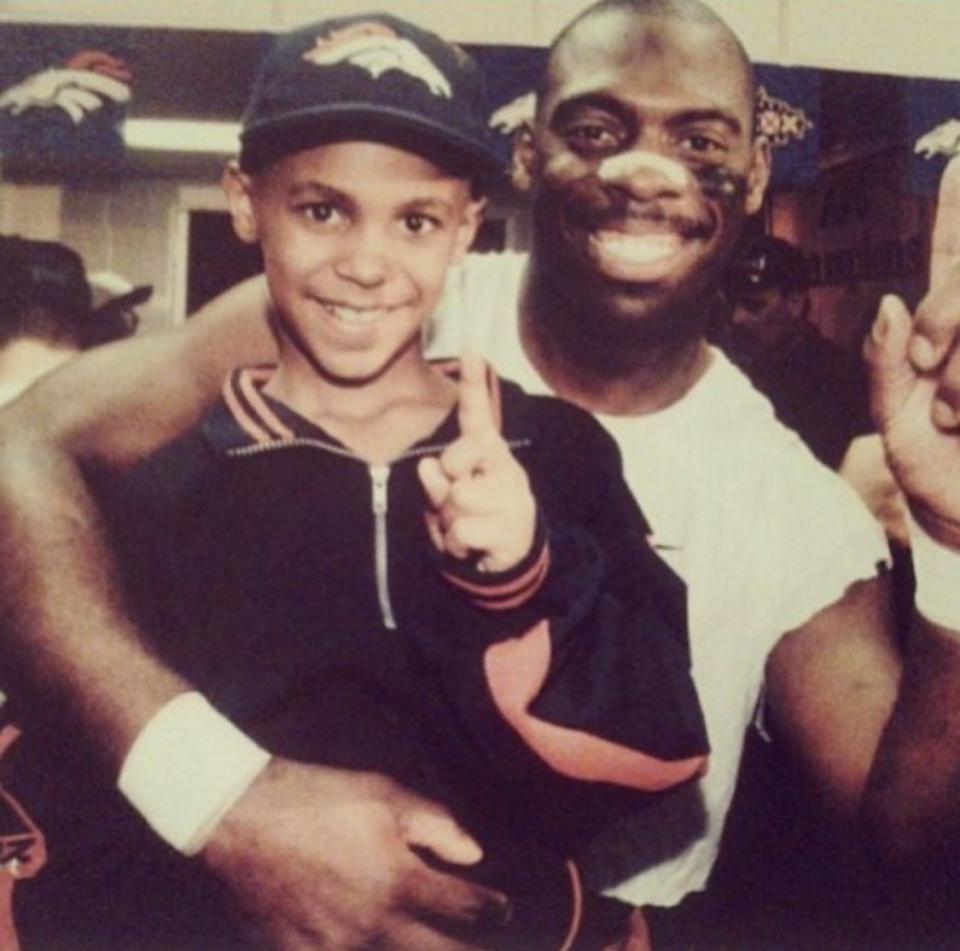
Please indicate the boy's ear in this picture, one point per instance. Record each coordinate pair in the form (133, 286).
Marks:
(759, 175)
(468, 228)
(237, 186)
(524, 162)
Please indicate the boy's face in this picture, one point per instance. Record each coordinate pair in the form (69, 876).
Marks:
(357, 238)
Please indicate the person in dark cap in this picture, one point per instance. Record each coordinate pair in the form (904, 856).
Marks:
(47, 311)
(816, 388)
(367, 560)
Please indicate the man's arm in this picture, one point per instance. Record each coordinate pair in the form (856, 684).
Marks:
(889, 727)
(831, 686)
(340, 868)
(65, 625)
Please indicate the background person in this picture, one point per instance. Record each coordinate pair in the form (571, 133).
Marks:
(48, 314)
(816, 388)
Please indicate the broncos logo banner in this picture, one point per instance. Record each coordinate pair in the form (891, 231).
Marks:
(933, 120)
(63, 98)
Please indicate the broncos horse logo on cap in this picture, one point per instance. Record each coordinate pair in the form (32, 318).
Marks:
(376, 48)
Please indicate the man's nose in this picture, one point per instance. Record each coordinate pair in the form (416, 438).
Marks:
(361, 258)
(644, 175)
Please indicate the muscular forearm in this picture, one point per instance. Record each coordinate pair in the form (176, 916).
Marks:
(66, 636)
(66, 631)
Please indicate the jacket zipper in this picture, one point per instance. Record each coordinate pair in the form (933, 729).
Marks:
(378, 478)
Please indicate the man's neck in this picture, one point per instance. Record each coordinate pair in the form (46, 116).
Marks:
(625, 378)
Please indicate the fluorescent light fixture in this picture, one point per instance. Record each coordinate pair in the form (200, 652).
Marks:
(182, 135)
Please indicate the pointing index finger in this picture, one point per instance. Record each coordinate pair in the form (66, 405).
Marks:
(945, 245)
(474, 412)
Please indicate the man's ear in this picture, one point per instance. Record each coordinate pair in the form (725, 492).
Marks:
(759, 175)
(238, 187)
(524, 161)
(468, 227)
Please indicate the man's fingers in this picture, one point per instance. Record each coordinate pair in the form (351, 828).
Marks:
(938, 316)
(475, 412)
(946, 404)
(892, 375)
(454, 900)
(435, 484)
(945, 245)
(431, 828)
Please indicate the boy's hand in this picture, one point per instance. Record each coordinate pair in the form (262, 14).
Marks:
(479, 496)
(914, 365)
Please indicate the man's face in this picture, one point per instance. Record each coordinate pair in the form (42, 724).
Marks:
(356, 238)
(643, 163)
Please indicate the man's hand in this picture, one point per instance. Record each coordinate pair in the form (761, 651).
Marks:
(915, 379)
(323, 858)
(479, 496)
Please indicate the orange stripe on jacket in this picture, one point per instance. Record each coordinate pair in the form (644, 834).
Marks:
(516, 670)
(250, 381)
(498, 597)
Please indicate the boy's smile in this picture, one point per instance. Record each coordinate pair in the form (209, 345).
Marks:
(357, 238)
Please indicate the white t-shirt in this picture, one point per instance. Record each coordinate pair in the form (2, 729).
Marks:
(762, 533)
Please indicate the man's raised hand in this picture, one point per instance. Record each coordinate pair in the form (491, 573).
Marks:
(478, 495)
(914, 363)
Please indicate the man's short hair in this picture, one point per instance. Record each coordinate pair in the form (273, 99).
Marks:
(692, 11)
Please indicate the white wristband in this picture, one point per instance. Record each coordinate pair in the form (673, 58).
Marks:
(937, 571)
(186, 770)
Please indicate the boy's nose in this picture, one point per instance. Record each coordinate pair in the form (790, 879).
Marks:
(361, 261)
(644, 175)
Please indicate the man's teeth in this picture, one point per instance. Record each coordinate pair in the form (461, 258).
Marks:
(637, 248)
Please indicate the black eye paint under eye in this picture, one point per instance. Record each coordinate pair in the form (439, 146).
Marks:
(721, 184)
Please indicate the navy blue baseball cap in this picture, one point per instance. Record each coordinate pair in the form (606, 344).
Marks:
(370, 77)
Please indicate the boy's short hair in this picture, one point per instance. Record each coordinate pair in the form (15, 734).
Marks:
(370, 77)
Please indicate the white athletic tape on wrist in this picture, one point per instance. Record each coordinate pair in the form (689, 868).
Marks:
(937, 570)
(186, 770)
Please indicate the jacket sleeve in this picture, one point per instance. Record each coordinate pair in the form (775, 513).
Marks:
(592, 669)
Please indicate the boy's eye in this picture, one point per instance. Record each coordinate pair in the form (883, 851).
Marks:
(417, 223)
(319, 211)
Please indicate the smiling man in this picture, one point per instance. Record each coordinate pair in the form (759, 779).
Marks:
(642, 166)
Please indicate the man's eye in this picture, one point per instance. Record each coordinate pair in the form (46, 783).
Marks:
(591, 137)
(416, 223)
(702, 144)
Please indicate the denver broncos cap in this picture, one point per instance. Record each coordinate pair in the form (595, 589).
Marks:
(370, 76)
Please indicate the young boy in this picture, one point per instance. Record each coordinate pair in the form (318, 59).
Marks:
(346, 556)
